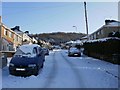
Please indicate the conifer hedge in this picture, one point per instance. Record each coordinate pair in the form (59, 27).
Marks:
(108, 50)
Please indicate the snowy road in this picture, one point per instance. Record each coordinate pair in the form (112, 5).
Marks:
(61, 71)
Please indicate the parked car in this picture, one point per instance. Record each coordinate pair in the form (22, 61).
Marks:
(56, 47)
(46, 51)
(27, 60)
(73, 51)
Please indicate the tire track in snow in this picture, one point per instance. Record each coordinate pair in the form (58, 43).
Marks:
(52, 73)
(75, 71)
(113, 75)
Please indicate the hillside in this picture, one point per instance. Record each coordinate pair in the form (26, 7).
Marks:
(58, 37)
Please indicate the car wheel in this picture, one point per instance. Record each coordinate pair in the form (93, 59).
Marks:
(36, 71)
(11, 73)
(42, 65)
(44, 60)
(69, 55)
(79, 55)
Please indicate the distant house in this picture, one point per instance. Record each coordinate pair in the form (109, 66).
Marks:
(9, 40)
(26, 39)
(34, 40)
(84, 38)
(103, 32)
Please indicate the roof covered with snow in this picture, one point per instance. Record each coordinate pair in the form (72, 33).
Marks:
(112, 23)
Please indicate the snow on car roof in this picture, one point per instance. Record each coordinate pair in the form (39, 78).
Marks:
(28, 47)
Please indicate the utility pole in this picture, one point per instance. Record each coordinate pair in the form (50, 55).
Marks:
(86, 19)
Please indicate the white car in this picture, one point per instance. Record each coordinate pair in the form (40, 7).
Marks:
(73, 51)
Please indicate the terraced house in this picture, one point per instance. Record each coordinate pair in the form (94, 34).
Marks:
(9, 40)
(26, 39)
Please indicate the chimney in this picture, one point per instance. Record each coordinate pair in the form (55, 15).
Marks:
(107, 22)
(27, 32)
(17, 27)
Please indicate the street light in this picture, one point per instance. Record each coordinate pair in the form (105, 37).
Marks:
(75, 28)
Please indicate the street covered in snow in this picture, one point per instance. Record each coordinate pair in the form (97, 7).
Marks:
(61, 71)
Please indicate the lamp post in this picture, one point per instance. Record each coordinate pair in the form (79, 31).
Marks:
(75, 28)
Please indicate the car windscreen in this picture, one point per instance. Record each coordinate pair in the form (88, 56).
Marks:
(74, 49)
(20, 52)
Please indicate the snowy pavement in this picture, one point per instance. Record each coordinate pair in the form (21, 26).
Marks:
(61, 71)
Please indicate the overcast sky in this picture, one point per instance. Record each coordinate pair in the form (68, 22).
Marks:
(47, 17)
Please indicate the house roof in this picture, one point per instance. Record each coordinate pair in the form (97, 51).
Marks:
(112, 23)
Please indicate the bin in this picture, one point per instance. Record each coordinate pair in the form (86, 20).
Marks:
(3, 60)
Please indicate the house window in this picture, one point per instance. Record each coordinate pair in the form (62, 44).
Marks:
(15, 37)
(95, 36)
(19, 39)
(92, 37)
(5, 32)
(98, 33)
(102, 32)
(10, 34)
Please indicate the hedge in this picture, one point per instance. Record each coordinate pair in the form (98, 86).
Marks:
(107, 49)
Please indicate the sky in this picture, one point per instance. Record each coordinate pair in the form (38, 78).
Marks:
(47, 17)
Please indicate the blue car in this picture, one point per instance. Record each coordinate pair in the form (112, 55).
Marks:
(28, 60)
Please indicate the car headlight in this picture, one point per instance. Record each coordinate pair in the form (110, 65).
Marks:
(11, 64)
(31, 65)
